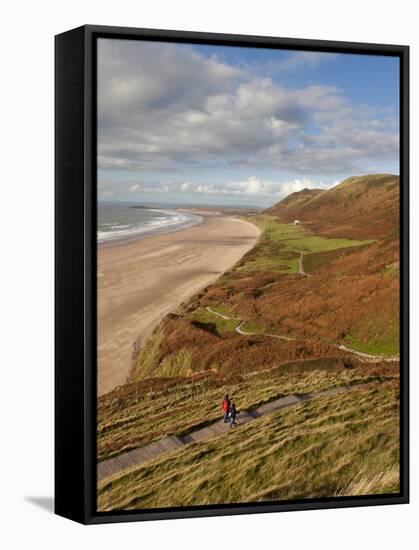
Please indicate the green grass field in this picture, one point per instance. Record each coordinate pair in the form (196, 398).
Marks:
(211, 321)
(375, 347)
(332, 446)
(280, 245)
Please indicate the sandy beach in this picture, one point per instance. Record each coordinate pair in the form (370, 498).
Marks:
(141, 281)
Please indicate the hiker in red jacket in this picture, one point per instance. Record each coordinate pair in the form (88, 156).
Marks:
(226, 407)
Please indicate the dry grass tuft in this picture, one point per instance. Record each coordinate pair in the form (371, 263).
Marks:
(382, 482)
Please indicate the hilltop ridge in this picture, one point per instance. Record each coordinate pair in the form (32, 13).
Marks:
(300, 198)
(358, 207)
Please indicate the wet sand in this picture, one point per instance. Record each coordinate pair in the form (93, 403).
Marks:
(141, 281)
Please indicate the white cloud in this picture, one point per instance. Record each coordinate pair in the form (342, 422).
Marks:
(249, 188)
(166, 108)
(253, 187)
(138, 188)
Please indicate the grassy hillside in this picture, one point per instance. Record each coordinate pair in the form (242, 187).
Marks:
(346, 444)
(269, 327)
(138, 413)
(360, 207)
(281, 244)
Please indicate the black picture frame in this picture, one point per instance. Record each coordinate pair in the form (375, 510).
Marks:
(75, 272)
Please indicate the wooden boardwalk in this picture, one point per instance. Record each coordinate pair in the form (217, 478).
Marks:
(171, 443)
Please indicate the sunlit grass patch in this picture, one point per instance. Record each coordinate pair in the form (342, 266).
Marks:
(310, 244)
(214, 323)
(253, 326)
(385, 482)
(272, 263)
(392, 270)
(280, 245)
(374, 346)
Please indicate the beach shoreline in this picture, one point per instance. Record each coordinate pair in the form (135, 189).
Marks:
(143, 229)
(140, 281)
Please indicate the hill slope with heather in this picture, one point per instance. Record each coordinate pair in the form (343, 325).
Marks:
(359, 207)
(312, 305)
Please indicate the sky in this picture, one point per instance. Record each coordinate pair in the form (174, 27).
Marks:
(197, 124)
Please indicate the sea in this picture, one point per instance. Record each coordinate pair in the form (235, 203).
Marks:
(122, 221)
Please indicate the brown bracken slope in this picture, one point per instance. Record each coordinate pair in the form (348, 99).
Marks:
(360, 207)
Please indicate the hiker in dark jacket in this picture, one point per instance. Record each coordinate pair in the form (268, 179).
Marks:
(232, 415)
(226, 407)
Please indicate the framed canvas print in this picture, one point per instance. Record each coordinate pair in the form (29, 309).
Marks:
(231, 274)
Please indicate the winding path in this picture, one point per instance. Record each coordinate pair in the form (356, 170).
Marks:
(171, 443)
(240, 330)
(300, 266)
(365, 356)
